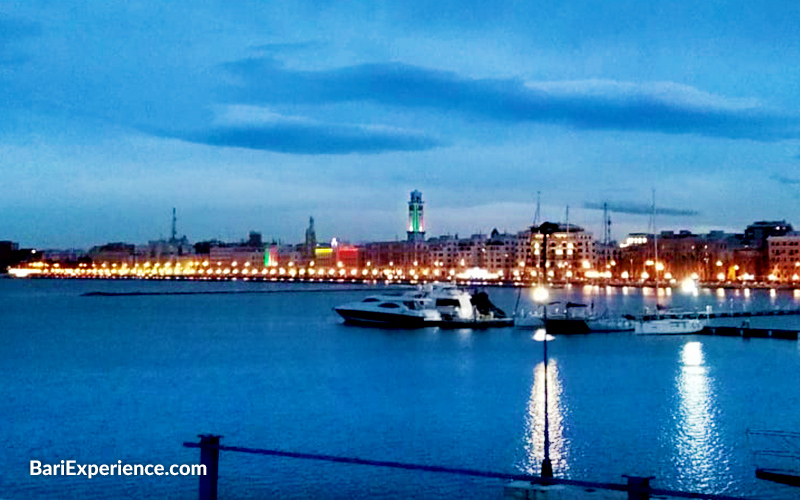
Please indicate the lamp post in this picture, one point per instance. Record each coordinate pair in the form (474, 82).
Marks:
(547, 465)
(541, 295)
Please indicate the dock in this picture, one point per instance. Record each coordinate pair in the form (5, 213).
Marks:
(746, 332)
(715, 315)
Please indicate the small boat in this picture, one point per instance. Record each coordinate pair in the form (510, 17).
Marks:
(528, 320)
(669, 326)
(574, 320)
(604, 324)
(384, 310)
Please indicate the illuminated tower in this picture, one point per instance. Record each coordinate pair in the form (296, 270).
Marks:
(416, 223)
(311, 238)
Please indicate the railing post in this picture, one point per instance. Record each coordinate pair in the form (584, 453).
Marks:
(209, 457)
(638, 487)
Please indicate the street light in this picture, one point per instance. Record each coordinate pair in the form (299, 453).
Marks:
(541, 335)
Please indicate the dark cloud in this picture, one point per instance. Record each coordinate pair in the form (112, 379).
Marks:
(639, 208)
(666, 108)
(785, 180)
(298, 137)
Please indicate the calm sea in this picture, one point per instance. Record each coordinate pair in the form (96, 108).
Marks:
(101, 379)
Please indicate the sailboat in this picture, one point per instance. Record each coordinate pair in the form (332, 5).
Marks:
(665, 325)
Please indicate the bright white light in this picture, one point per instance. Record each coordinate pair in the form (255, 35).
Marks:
(541, 294)
(541, 335)
(689, 286)
(476, 273)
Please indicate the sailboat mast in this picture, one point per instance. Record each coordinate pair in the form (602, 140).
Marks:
(655, 249)
(655, 240)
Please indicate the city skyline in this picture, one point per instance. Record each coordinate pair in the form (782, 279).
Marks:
(251, 117)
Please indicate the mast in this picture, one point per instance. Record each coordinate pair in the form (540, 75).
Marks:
(174, 226)
(566, 251)
(655, 248)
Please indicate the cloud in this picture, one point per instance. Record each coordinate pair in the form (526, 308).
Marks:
(282, 48)
(591, 104)
(785, 180)
(257, 128)
(640, 208)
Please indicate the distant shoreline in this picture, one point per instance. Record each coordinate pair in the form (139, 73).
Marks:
(407, 282)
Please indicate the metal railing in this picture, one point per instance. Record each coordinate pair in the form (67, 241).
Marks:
(637, 487)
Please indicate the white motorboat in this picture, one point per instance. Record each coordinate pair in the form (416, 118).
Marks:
(400, 311)
(462, 309)
(669, 326)
(437, 304)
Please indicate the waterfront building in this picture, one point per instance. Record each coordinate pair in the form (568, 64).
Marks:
(755, 238)
(172, 250)
(570, 251)
(395, 254)
(236, 255)
(443, 251)
(501, 253)
(118, 253)
(290, 255)
(784, 257)
(416, 220)
(682, 255)
(8, 254)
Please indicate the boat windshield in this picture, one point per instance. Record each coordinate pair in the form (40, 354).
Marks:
(447, 303)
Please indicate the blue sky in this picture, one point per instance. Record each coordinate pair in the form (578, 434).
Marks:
(254, 115)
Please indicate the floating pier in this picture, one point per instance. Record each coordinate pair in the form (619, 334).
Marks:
(716, 315)
(747, 332)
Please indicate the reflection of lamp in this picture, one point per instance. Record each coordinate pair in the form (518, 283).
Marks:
(547, 467)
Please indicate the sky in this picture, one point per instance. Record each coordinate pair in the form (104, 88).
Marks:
(255, 115)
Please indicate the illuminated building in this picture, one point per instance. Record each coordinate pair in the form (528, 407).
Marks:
(784, 256)
(567, 249)
(416, 220)
(311, 238)
(113, 253)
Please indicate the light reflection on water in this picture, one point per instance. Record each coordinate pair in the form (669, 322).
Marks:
(700, 458)
(534, 423)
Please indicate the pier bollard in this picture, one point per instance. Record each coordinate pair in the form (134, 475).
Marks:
(209, 456)
(639, 487)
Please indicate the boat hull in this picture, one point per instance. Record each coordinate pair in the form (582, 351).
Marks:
(568, 326)
(669, 327)
(382, 318)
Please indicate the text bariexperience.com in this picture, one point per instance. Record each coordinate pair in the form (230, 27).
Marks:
(73, 468)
